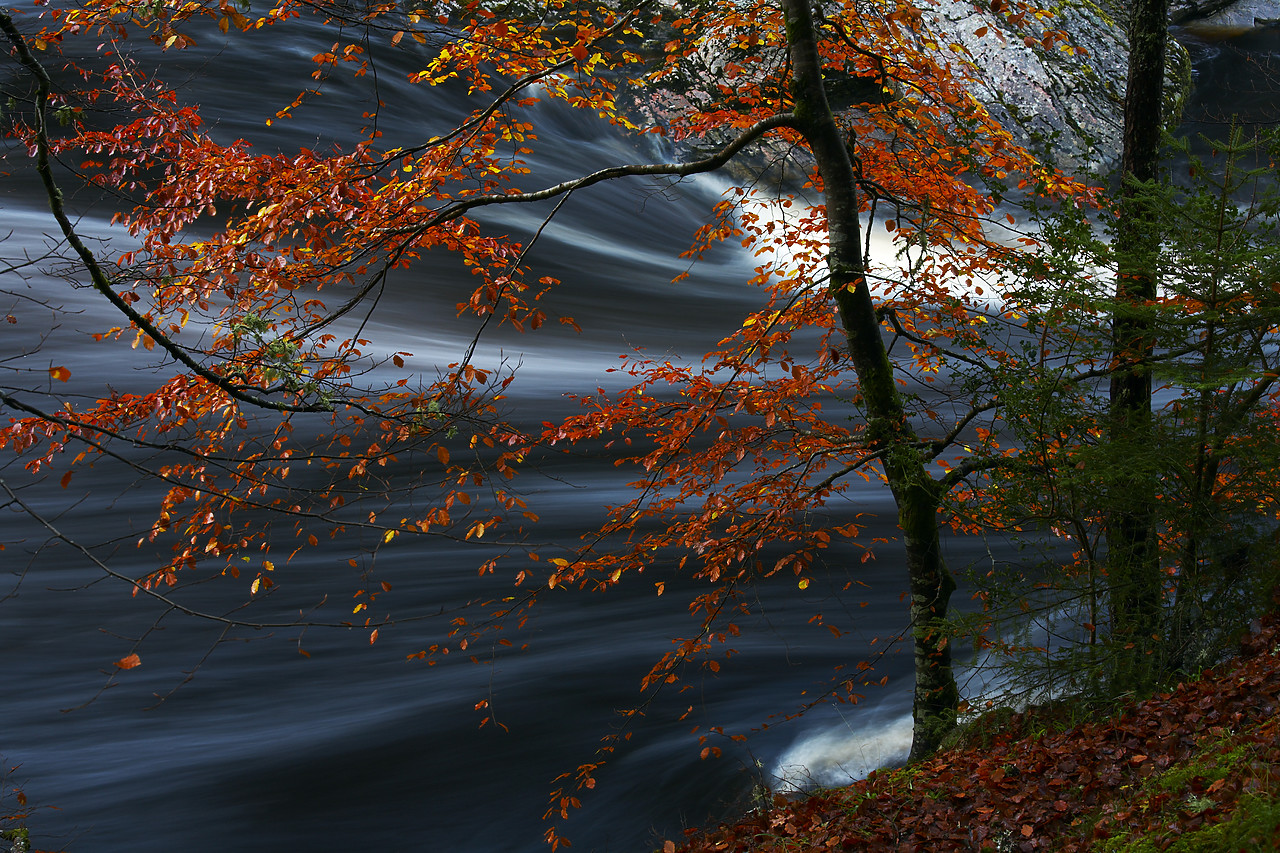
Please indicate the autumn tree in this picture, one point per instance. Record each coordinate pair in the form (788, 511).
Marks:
(251, 269)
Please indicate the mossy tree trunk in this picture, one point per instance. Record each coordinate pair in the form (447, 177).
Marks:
(917, 495)
(1133, 554)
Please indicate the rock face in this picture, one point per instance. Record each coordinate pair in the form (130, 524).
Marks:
(1065, 104)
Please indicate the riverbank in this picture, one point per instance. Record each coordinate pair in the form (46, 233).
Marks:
(1196, 768)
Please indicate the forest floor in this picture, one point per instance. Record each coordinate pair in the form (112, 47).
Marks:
(1195, 769)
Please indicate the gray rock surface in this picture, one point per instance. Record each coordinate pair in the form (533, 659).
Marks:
(1065, 103)
(1226, 13)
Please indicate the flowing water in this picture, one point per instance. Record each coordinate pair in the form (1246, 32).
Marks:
(354, 747)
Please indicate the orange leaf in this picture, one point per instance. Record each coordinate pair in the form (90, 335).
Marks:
(129, 662)
(60, 373)
(579, 52)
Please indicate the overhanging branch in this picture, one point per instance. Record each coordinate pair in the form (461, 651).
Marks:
(676, 170)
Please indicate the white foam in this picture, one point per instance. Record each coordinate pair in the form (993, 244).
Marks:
(843, 755)
(894, 263)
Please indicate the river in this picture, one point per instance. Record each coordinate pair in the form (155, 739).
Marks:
(355, 747)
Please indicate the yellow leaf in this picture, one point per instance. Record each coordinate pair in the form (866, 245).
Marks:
(389, 535)
(804, 583)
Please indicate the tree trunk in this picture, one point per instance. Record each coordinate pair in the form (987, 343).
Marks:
(915, 492)
(1133, 557)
